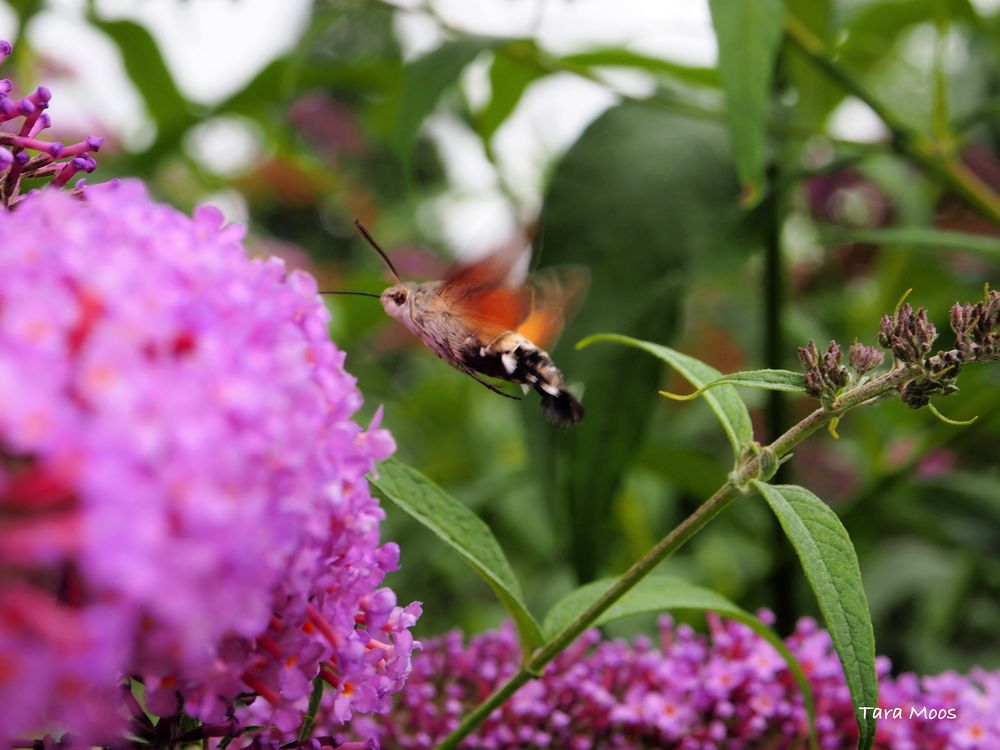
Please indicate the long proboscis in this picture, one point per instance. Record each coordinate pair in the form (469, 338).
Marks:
(375, 246)
(352, 291)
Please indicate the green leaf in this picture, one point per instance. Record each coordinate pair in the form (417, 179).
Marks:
(817, 93)
(724, 400)
(510, 75)
(147, 70)
(831, 567)
(767, 380)
(660, 593)
(749, 33)
(424, 82)
(464, 532)
(614, 207)
(615, 57)
(919, 238)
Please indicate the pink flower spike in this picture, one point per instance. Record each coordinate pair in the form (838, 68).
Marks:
(55, 149)
(6, 158)
(41, 97)
(6, 86)
(93, 143)
(66, 173)
(44, 122)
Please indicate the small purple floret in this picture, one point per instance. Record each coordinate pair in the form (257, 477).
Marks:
(17, 167)
(5, 49)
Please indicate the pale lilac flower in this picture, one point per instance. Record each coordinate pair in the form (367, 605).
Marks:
(182, 490)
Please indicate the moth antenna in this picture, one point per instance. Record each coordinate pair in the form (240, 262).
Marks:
(351, 291)
(371, 241)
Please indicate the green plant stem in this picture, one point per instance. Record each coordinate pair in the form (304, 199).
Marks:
(673, 541)
(309, 719)
(936, 157)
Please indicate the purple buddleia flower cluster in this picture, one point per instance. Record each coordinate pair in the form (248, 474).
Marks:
(183, 498)
(24, 154)
(730, 689)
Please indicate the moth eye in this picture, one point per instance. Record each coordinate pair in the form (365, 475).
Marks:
(399, 298)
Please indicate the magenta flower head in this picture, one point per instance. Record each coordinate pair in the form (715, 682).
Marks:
(182, 485)
(26, 156)
(686, 692)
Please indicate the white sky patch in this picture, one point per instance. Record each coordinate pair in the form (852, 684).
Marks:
(225, 145)
(679, 31)
(919, 47)
(418, 34)
(476, 82)
(854, 120)
(471, 224)
(551, 116)
(232, 204)
(465, 162)
(473, 216)
(8, 23)
(99, 96)
(215, 47)
(986, 7)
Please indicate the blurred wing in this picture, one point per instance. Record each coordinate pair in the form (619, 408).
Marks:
(482, 291)
(559, 292)
(491, 271)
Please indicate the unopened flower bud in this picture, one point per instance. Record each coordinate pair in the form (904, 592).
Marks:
(809, 355)
(863, 358)
(824, 376)
(917, 393)
(945, 365)
(908, 334)
(834, 373)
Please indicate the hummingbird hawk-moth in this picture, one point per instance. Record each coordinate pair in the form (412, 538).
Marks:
(480, 321)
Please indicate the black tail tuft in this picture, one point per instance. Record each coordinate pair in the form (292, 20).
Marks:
(562, 409)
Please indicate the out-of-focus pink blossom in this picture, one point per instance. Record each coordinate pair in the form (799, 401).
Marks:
(182, 486)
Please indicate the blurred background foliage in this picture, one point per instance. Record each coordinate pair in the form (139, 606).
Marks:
(649, 199)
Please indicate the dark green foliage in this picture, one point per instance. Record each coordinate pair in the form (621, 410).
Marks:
(663, 180)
